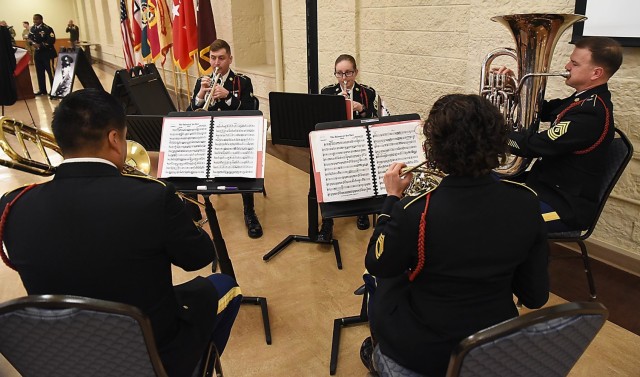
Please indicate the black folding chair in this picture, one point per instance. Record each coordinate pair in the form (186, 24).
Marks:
(618, 156)
(69, 336)
(544, 343)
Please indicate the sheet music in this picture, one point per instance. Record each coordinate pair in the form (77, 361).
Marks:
(236, 147)
(184, 147)
(341, 160)
(395, 142)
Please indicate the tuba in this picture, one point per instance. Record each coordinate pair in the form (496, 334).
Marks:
(519, 100)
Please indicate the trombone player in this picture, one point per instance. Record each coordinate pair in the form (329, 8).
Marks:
(114, 237)
(233, 91)
(568, 174)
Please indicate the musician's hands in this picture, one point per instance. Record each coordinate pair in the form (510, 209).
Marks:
(205, 87)
(219, 92)
(357, 106)
(503, 71)
(393, 183)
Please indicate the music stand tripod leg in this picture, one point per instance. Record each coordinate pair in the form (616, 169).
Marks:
(262, 301)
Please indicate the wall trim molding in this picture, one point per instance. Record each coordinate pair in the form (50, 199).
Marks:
(609, 254)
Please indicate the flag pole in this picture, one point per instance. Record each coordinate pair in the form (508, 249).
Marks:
(175, 83)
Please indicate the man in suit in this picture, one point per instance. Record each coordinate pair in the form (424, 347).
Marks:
(74, 33)
(568, 174)
(233, 91)
(97, 233)
(43, 40)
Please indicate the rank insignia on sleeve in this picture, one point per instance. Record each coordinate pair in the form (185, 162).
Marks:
(379, 246)
(513, 144)
(558, 130)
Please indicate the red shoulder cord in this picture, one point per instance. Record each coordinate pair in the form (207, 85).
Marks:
(236, 81)
(421, 242)
(3, 222)
(606, 123)
(364, 96)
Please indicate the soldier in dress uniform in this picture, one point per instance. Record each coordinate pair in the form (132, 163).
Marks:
(568, 175)
(43, 39)
(233, 91)
(364, 106)
(448, 261)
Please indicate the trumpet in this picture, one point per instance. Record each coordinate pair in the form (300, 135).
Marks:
(137, 161)
(425, 178)
(215, 76)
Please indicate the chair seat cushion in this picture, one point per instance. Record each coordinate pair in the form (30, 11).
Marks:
(387, 367)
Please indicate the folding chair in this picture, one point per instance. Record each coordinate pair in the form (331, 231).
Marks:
(69, 336)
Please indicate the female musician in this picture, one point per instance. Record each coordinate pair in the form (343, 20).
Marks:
(364, 106)
(448, 262)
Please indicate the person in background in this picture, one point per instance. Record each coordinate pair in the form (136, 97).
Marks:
(115, 237)
(12, 32)
(25, 37)
(74, 33)
(449, 261)
(364, 102)
(43, 40)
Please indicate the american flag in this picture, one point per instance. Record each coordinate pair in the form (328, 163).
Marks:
(125, 29)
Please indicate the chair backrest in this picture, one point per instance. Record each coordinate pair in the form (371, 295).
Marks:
(547, 342)
(617, 157)
(75, 336)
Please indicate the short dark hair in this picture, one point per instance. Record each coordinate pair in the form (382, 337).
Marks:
(465, 135)
(346, 57)
(84, 117)
(37, 15)
(605, 52)
(219, 44)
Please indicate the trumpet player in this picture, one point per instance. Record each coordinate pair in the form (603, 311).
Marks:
(114, 237)
(233, 91)
(364, 106)
(568, 175)
(448, 262)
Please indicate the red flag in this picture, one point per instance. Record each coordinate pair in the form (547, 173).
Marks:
(185, 33)
(206, 35)
(136, 24)
(125, 29)
(164, 29)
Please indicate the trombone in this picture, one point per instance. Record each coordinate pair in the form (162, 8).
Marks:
(137, 161)
(215, 76)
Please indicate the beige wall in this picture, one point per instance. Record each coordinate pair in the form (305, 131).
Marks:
(411, 52)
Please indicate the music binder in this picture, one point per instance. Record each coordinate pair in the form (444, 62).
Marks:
(349, 163)
(212, 146)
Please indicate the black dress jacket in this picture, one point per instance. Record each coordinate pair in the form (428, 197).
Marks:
(93, 232)
(485, 241)
(569, 174)
(240, 94)
(363, 94)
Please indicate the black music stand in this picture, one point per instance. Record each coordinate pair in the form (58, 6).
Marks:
(293, 116)
(244, 185)
(146, 130)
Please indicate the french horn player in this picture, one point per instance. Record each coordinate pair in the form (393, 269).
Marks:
(448, 260)
(569, 172)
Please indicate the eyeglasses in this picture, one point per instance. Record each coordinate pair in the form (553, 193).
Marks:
(344, 74)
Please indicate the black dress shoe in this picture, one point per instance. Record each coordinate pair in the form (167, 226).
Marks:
(326, 231)
(254, 229)
(363, 222)
(39, 94)
(366, 354)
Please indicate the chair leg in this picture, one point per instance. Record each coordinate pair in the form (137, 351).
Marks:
(587, 269)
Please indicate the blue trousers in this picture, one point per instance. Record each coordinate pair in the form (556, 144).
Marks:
(228, 307)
